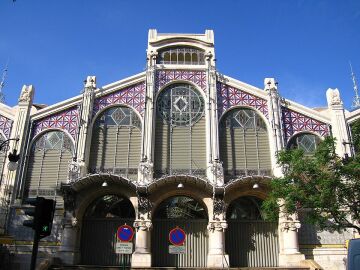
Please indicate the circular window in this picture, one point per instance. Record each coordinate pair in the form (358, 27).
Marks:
(180, 105)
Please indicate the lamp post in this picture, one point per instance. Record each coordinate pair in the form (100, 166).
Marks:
(13, 157)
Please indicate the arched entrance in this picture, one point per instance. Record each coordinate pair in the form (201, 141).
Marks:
(250, 241)
(98, 237)
(188, 214)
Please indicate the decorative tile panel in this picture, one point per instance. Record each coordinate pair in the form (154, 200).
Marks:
(6, 125)
(229, 96)
(165, 76)
(66, 120)
(294, 122)
(133, 95)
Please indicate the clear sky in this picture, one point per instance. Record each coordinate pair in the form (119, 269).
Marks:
(306, 45)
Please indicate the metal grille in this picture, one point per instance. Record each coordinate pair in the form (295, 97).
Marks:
(98, 241)
(252, 243)
(244, 144)
(180, 147)
(116, 143)
(196, 243)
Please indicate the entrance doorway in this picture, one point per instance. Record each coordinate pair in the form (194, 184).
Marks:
(250, 241)
(189, 215)
(98, 237)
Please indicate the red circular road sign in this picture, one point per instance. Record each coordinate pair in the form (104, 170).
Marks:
(177, 236)
(125, 233)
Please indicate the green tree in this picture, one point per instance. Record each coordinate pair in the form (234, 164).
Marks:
(355, 131)
(323, 185)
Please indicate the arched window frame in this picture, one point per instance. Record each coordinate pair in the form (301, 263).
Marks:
(294, 141)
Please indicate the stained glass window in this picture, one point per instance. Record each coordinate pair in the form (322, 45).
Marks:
(180, 105)
(57, 140)
(119, 116)
(245, 119)
(306, 142)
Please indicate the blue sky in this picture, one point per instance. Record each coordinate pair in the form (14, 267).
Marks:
(305, 44)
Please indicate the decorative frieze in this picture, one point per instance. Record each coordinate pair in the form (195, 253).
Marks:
(294, 122)
(219, 226)
(6, 125)
(66, 120)
(229, 96)
(133, 96)
(143, 225)
(163, 77)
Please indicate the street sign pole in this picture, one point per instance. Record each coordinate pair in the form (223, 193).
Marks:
(34, 250)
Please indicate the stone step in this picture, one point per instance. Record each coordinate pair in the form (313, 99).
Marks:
(89, 267)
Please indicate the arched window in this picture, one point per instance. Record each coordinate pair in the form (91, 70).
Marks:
(48, 164)
(245, 208)
(244, 144)
(181, 55)
(180, 131)
(304, 141)
(116, 142)
(180, 207)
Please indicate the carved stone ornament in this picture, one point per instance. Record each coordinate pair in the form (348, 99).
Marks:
(290, 225)
(26, 94)
(143, 225)
(217, 226)
(146, 169)
(144, 205)
(219, 206)
(74, 171)
(217, 170)
(335, 99)
(69, 196)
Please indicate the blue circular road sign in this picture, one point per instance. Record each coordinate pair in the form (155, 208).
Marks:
(177, 236)
(125, 233)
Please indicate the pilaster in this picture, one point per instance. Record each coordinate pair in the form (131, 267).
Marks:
(276, 137)
(215, 172)
(338, 122)
(19, 130)
(146, 166)
(78, 167)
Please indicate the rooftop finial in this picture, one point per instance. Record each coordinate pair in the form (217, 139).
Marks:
(2, 83)
(356, 101)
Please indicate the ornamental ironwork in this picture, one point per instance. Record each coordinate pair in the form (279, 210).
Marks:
(294, 122)
(164, 77)
(306, 142)
(65, 120)
(133, 96)
(229, 96)
(181, 56)
(180, 105)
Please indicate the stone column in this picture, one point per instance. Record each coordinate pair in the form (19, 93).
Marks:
(338, 122)
(276, 135)
(146, 166)
(69, 249)
(78, 167)
(142, 254)
(217, 227)
(288, 238)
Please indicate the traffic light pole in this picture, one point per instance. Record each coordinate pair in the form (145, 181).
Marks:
(34, 250)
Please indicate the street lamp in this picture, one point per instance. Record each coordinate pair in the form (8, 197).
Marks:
(13, 157)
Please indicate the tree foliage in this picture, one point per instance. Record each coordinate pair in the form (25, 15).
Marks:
(323, 185)
(355, 131)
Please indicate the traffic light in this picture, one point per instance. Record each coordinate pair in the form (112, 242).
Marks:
(43, 214)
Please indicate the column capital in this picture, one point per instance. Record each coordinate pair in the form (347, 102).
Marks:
(143, 225)
(217, 225)
(290, 225)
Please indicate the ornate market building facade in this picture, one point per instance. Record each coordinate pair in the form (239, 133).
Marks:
(177, 145)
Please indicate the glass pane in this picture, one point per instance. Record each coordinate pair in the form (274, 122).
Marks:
(110, 206)
(119, 116)
(245, 208)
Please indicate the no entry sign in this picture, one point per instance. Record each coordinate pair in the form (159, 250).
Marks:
(125, 233)
(177, 236)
